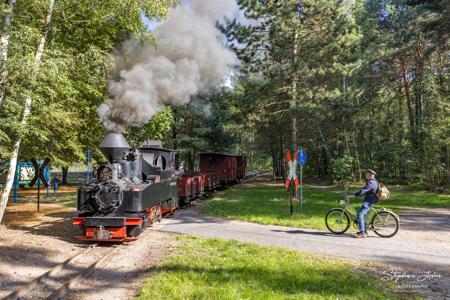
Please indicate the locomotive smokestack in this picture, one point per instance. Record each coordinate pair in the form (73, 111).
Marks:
(114, 146)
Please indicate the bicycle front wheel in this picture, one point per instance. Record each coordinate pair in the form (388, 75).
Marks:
(385, 224)
(337, 221)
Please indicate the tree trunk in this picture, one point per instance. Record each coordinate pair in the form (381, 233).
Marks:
(274, 163)
(349, 153)
(418, 91)
(174, 132)
(4, 42)
(293, 104)
(418, 87)
(327, 150)
(26, 113)
(65, 171)
(187, 167)
(281, 160)
(358, 163)
(409, 101)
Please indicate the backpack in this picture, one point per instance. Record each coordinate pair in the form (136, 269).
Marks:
(382, 192)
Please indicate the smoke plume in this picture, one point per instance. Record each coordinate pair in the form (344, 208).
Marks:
(188, 59)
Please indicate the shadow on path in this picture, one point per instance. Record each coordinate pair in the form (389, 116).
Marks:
(320, 233)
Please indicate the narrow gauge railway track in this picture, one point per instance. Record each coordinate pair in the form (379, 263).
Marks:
(57, 282)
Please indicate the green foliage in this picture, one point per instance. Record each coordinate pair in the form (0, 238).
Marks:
(73, 75)
(158, 128)
(367, 79)
(341, 169)
(215, 269)
(207, 123)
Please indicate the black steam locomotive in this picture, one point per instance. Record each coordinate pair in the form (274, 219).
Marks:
(132, 192)
(138, 186)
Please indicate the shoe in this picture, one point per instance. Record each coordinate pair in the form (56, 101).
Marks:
(359, 235)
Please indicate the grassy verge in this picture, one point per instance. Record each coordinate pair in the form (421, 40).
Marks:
(215, 269)
(267, 202)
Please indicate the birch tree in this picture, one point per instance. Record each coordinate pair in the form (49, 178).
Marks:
(4, 42)
(26, 112)
(65, 83)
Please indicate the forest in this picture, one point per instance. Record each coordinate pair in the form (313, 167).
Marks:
(356, 83)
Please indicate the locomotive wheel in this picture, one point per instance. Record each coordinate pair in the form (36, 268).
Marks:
(134, 231)
(185, 201)
(158, 214)
(82, 230)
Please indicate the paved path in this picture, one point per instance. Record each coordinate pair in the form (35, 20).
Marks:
(404, 251)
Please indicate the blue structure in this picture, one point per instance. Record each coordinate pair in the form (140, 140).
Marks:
(302, 157)
(301, 160)
(24, 174)
(90, 169)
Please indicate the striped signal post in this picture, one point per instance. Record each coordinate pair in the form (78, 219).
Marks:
(292, 179)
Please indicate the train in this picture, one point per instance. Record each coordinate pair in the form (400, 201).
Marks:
(138, 186)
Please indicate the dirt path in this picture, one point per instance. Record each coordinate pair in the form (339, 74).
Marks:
(408, 253)
(29, 249)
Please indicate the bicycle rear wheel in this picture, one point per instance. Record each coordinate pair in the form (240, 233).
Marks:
(337, 221)
(385, 224)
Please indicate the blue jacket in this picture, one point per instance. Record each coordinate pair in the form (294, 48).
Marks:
(369, 191)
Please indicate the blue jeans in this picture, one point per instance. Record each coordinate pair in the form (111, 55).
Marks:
(365, 208)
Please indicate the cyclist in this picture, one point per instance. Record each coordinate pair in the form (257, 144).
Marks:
(370, 199)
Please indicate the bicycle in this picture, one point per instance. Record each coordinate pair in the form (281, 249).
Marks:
(384, 222)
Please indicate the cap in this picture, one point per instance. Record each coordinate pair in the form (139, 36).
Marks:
(371, 171)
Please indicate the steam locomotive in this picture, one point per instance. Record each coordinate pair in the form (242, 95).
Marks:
(138, 186)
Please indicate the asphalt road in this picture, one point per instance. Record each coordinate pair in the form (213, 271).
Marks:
(405, 250)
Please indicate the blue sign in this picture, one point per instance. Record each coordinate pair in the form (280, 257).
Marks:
(301, 157)
(90, 168)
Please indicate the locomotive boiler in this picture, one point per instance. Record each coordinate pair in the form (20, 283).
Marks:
(132, 191)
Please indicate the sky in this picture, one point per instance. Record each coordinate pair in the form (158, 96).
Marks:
(152, 24)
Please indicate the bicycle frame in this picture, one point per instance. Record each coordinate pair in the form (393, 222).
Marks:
(352, 212)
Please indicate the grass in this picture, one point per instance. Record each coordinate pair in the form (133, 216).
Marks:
(214, 269)
(267, 202)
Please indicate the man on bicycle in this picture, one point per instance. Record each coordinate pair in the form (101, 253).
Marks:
(370, 199)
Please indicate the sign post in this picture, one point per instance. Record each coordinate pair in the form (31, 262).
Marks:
(292, 180)
(39, 175)
(88, 154)
(301, 160)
